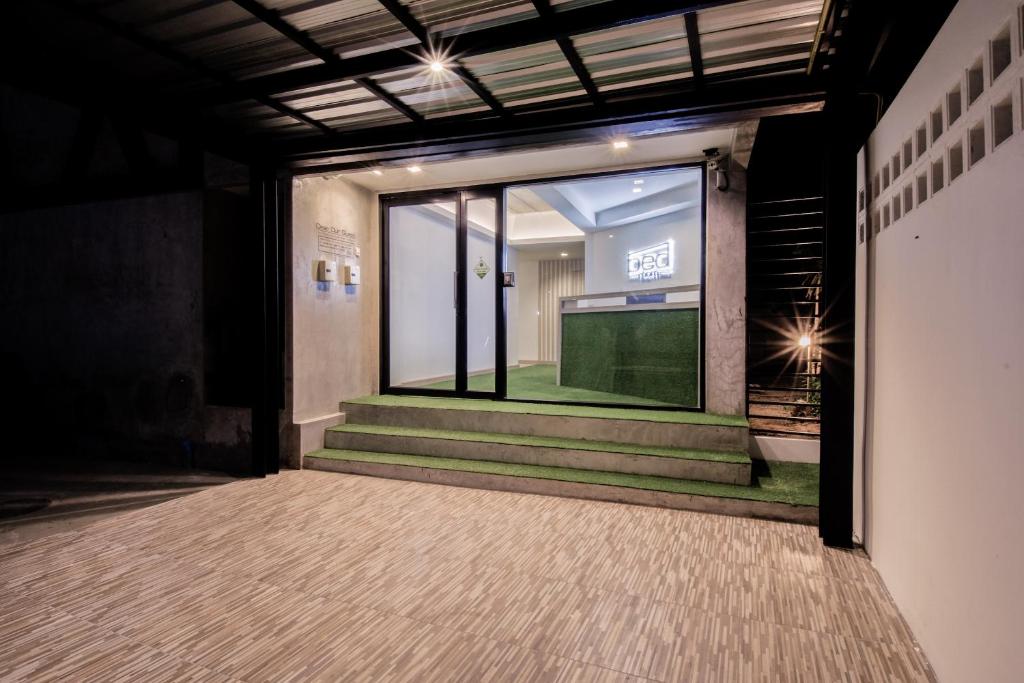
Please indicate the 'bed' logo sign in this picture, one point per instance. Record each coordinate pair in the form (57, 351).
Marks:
(652, 263)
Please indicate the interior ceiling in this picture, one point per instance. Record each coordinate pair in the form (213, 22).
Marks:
(654, 150)
(347, 82)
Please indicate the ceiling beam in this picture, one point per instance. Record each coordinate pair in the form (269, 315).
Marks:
(585, 19)
(569, 51)
(273, 19)
(677, 108)
(693, 41)
(411, 24)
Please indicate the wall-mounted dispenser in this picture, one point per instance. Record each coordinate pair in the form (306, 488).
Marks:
(327, 271)
(351, 275)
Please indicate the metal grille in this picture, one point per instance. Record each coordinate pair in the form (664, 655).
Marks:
(784, 267)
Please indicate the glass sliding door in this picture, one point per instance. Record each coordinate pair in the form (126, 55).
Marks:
(442, 294)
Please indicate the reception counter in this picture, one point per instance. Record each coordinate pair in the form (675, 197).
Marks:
(644, 343)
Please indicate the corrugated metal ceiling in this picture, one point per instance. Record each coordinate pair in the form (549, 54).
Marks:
(226, 38)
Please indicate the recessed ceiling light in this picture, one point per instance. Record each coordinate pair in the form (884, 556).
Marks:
(377, 171)
(437, 66)
(638, 189)
(638, 181)
(564, 254)
(414, 169)
(805, 341)
(620, 144)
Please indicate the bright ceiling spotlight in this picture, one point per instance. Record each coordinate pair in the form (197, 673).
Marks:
(414, 169)
(620, 144)
(377, 171)
(564, 254)
(805, 341)
(437, 66)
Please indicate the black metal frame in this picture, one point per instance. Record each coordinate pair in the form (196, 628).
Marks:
(460, 195)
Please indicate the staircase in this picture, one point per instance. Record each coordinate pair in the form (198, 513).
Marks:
(690, 461)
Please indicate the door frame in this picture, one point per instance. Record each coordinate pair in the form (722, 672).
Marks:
(501, 377)
(460, 196)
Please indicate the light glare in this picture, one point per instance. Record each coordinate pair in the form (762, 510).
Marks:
(805, 341)
(415, 169)
(620, 144)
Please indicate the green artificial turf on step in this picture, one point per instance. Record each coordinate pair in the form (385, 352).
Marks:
(520, 408)
(545, 442)
(792, 483)
(539, 383)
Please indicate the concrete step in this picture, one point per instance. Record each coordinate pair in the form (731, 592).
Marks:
(583, 454)
(745, 501)
(674, 429)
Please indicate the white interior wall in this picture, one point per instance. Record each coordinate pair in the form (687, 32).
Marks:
(421, 290)
(606, 252)
(527, 282)
(941, 392)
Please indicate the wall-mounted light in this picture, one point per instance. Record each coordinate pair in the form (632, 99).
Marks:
(414, 169)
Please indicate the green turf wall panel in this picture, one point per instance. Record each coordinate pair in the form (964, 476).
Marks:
(650, 354)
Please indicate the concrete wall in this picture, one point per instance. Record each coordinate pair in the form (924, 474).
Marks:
(725, 301)
(333, 329)
(103, 337)
(942, 399)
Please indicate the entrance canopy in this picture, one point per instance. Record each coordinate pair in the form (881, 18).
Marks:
(356, 83)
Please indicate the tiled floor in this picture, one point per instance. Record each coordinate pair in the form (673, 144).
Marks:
(320, 576)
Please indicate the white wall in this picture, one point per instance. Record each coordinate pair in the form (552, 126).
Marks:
(421, 294)
(527, 332)
(942, 394)
(606, 252)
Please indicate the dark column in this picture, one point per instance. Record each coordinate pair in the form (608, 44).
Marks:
(266, 192)
(837, 324)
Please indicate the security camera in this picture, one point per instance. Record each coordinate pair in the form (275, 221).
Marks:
(717, 163)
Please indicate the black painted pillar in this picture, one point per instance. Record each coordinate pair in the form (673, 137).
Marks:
(267, 395)
(837, 323)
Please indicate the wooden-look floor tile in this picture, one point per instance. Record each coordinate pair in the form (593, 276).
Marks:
(318, 576)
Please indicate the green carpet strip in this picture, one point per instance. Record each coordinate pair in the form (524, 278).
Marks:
(793, 483)
(545, 442)
(515, 407)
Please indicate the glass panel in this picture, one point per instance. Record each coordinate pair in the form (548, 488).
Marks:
(481, 272)
(421, 294)
(606, 307)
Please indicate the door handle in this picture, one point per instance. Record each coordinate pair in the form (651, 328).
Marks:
(455, 290)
